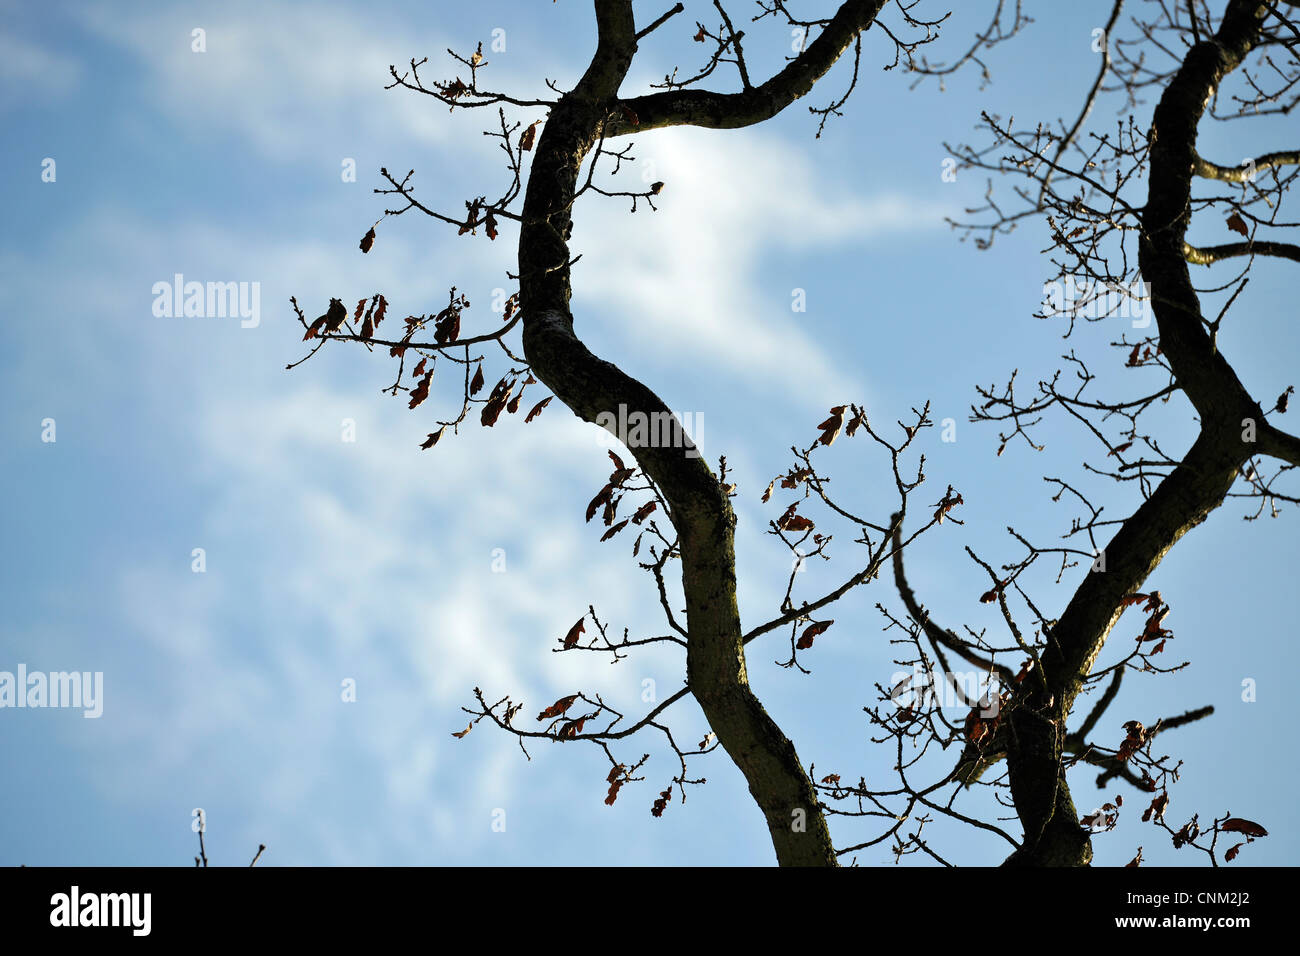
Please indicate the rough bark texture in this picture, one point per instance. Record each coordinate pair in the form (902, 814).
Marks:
(1196, 487)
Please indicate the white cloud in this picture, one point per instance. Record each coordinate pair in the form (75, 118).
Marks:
(294, 79)
(382, 594)
(326, 559)
(682, 282)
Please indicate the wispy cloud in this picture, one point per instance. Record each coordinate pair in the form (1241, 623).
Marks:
(292, 79)
(30, 72)
(686, 282)
(326, 559)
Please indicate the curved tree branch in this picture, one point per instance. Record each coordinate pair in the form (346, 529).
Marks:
(752, 104)
(699, 506)
(1187, 495)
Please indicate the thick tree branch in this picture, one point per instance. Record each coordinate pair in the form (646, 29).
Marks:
(1248, 169)
(756, 104)
(699, 506)
(1279, 444)
(1186, 496)
(1207, 255)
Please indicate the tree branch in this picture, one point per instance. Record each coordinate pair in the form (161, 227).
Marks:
(759, 103)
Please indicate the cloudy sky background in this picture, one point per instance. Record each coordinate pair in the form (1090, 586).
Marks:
(373, 560)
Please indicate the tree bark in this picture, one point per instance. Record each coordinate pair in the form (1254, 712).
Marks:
(699, 508)
(1197, 486)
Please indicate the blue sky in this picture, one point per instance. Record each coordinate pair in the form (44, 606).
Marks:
(372, 560)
